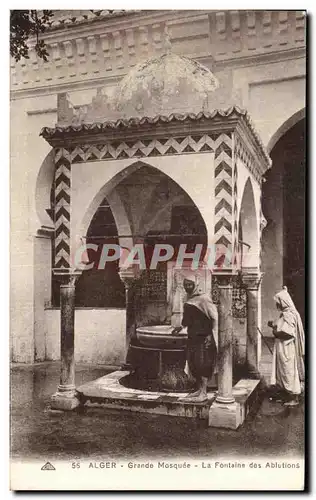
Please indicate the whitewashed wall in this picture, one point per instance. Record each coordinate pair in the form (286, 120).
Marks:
(99, 335)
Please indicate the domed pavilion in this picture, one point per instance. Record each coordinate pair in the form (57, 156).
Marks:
(169, 135)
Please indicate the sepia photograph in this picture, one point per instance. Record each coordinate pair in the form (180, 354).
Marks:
(158, 188)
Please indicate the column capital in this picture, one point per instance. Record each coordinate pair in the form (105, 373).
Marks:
(68, 278)
(224, 280)
(251, 281)
(128, 276)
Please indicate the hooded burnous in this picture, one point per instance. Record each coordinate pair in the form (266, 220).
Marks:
(201, 319)
(288, 369)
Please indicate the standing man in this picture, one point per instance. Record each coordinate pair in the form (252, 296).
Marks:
(288, 370)
(201, 319)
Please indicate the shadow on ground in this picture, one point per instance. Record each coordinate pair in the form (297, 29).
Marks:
(108, 434)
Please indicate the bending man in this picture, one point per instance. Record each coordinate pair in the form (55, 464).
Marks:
(201, 318)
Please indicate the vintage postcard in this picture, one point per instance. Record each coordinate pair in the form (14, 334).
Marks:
(158, 186)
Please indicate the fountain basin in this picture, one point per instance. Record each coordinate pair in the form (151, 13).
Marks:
(161, 337)
(158, 359)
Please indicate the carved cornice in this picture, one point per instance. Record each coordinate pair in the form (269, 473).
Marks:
(255, 159)
(218, 120)
(109, 45)
(123, 131)
(64, 19)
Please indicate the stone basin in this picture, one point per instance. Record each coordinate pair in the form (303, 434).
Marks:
(161, 337)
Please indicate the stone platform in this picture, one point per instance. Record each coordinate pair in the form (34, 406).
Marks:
(107, 392)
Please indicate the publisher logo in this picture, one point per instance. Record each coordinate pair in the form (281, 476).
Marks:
(48, 466)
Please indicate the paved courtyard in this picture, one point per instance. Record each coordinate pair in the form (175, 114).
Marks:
(99, 434)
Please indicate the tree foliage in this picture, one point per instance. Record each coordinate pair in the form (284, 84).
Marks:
(25, 24)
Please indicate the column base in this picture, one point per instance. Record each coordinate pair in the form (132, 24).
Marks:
(231, 415)
(225, 415)
(223, 400)
(66, 401)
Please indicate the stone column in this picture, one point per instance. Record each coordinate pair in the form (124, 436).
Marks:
(65, 398)
(225, 339)
(251, 283)
(225, 411)
(128, 278)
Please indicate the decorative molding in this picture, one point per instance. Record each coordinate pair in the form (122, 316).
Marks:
(131, 49)
(236, 245)
(93, 54)
(142, 148)
(62, 209)
(143, 41)
(267, 27)
(69, 18)
(223, 217)
(105, 47)
(252, 38)
(157, 36)
(128, 37)
(249, 159)
(220, 19)
(236, 33)
(70, 59)
(81, 56)
(118, 43)
(300, 17)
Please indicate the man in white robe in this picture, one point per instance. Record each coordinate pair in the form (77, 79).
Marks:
(288, 371)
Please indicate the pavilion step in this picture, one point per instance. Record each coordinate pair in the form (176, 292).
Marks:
(108, 393)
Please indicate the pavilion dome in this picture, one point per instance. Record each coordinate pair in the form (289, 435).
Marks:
(164, 85)
(161, 86)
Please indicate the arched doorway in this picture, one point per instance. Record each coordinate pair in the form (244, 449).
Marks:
(97, 287)
(283, 204)
(101, 286)
(145, 207)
